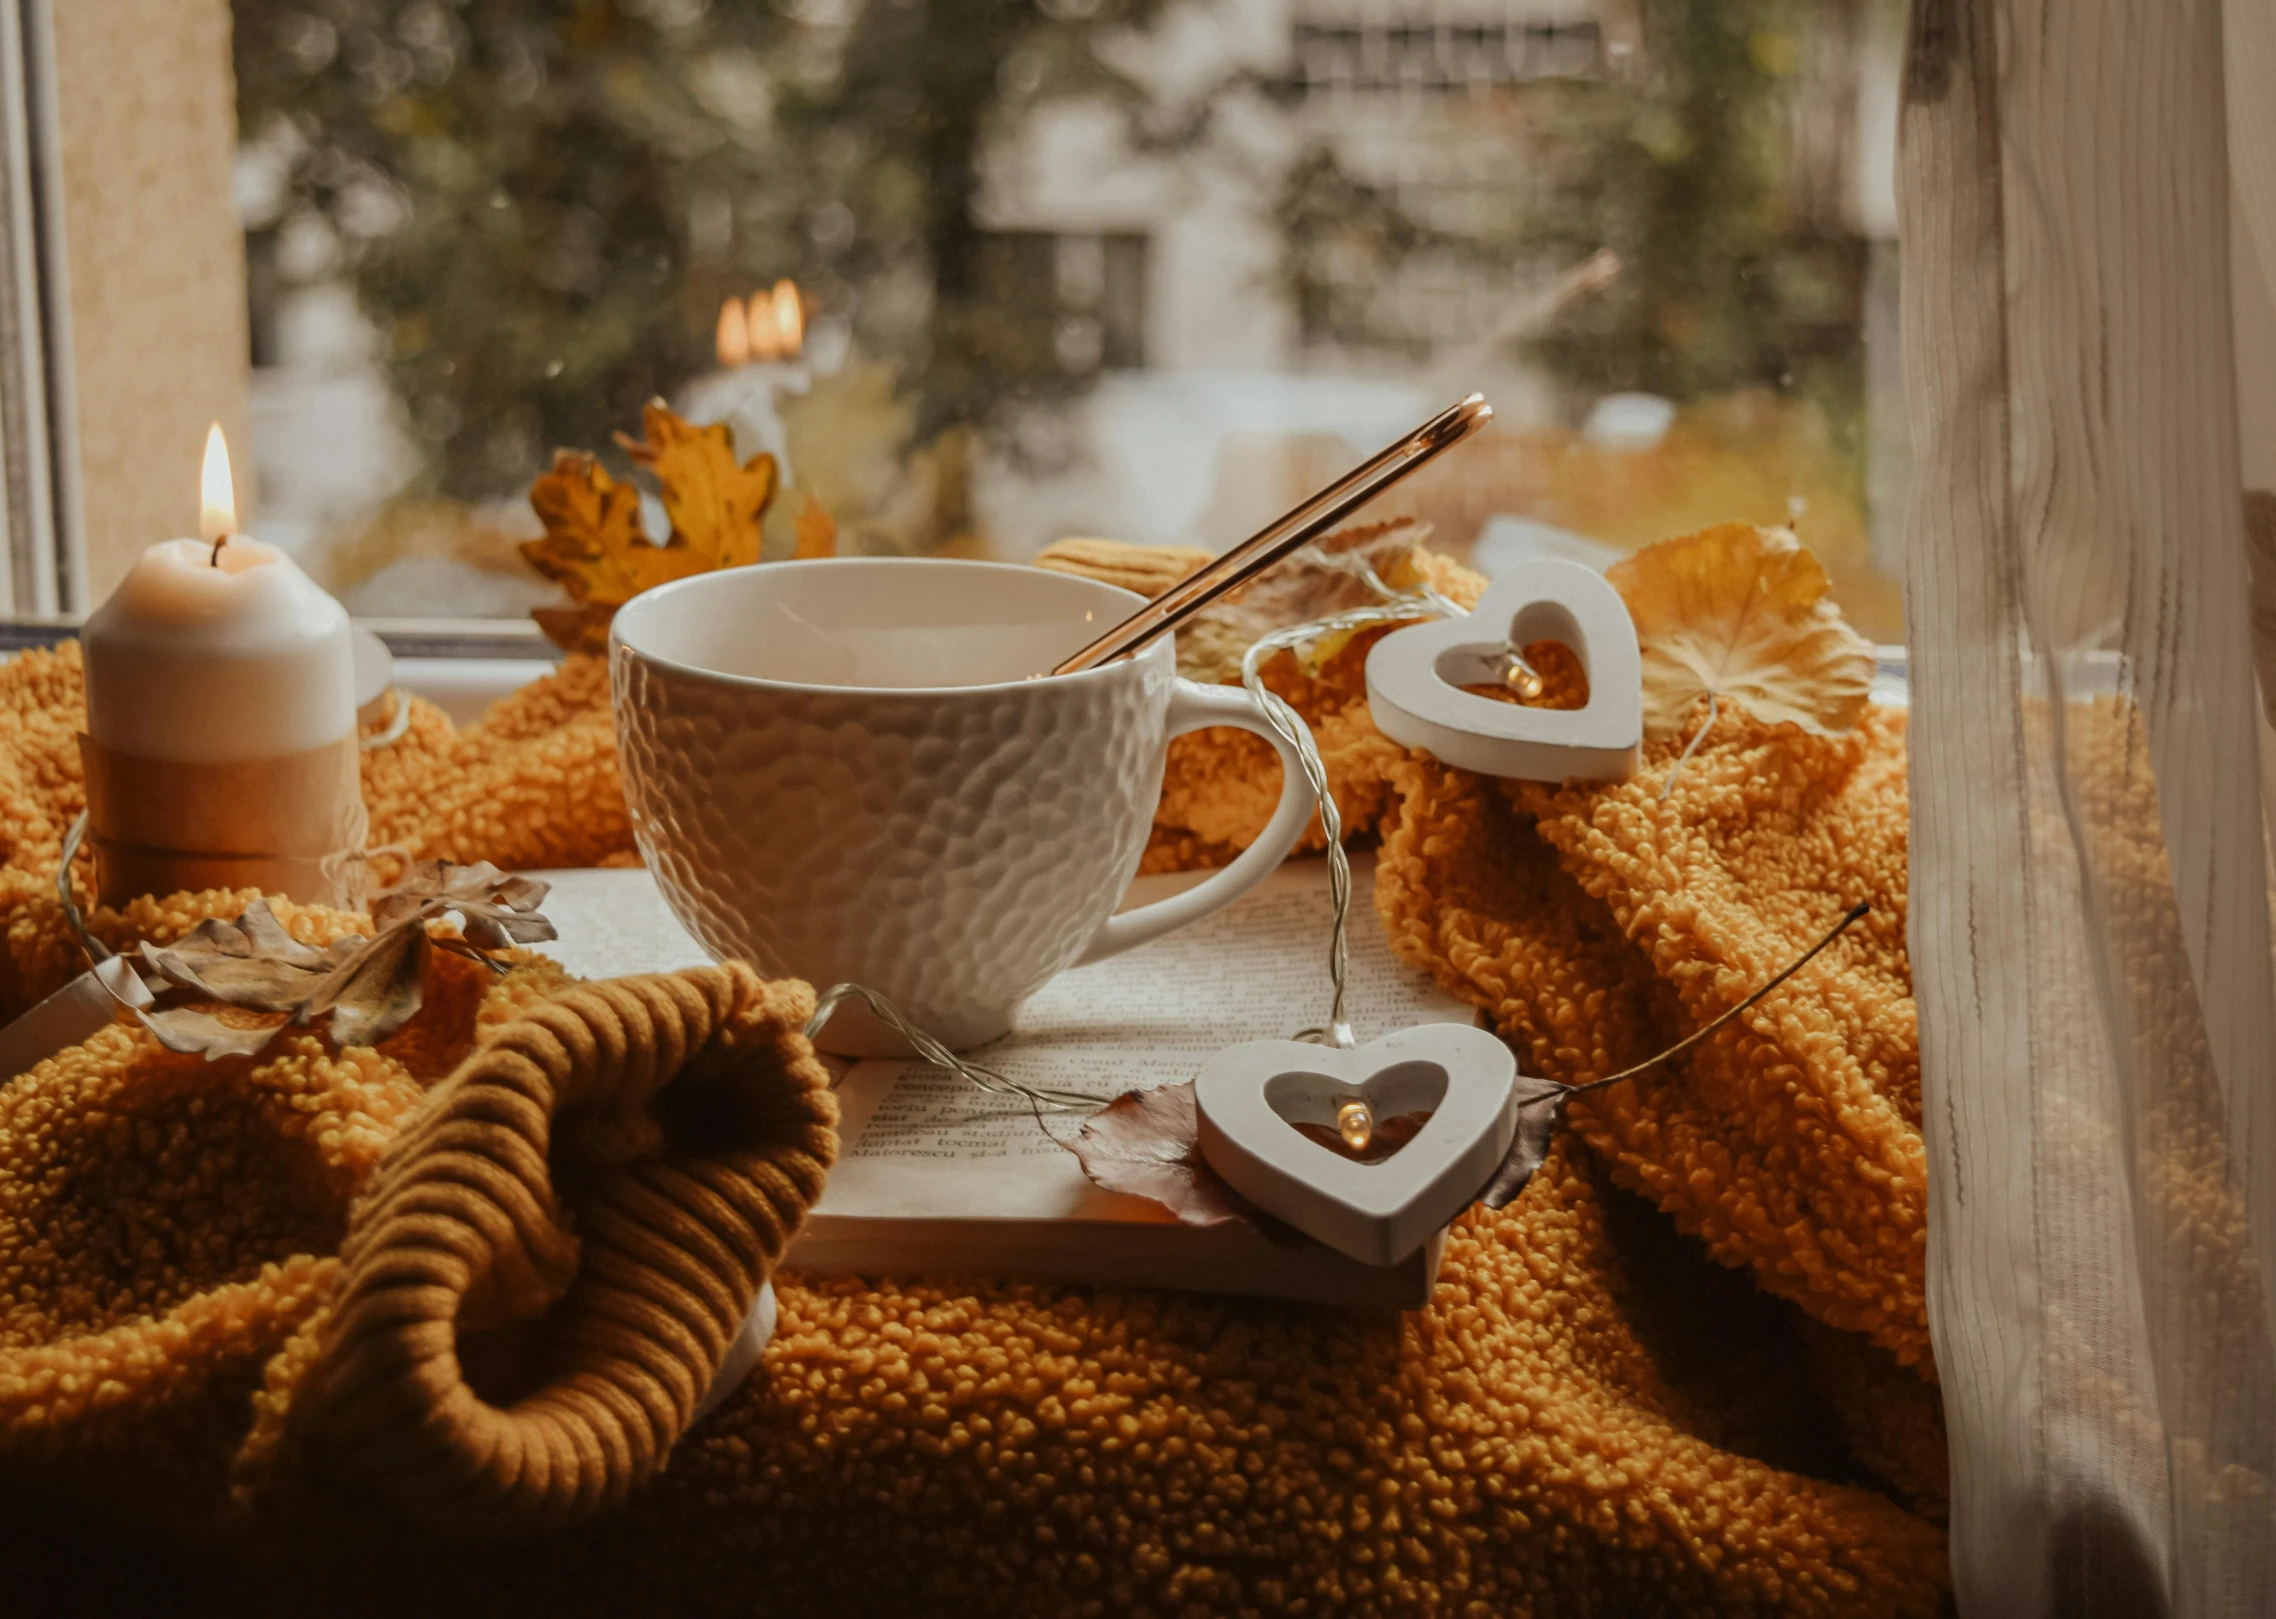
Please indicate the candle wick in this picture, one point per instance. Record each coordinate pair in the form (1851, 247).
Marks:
(215, 559)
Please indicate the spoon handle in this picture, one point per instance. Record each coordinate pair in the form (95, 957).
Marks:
(1295, 528)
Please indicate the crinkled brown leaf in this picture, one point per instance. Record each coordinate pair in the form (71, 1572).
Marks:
(499, 908)
(583, 628)
(1295, 591)
(1744, 613)
(377, 990)
(1148, 1144)
(1540, 1109)
(251, 962)
(594, 544)
(200, 1034)
(368, 989)
(440, 879)
(496, 927)
(1148, 570)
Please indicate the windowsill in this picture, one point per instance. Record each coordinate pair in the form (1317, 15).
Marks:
(464, 688)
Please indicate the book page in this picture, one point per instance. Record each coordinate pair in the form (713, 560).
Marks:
(923, 1144)
(613, 921)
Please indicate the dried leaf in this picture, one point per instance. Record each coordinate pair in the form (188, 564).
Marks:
(1540, 1109)
(592, 531)
(498, 927)
(1297, 590)
(595, 547)
(251, 962)
(200, 1034)
(1146, 569)
(817, 532)
(1148, 1144)
(368, 988)
(377, 990)
(498, 908)
(576, 629)
(1743, 613)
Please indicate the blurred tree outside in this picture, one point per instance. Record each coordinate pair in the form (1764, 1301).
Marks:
(541, 204)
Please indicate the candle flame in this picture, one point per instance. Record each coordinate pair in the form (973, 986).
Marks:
(217, 491)
(1355, 1122)
(777, 323)
(733, 345)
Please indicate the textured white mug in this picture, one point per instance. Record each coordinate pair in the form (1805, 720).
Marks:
(843, 771)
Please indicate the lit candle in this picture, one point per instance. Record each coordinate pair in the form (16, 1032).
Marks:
(218, 649)
(757, 345)
(221, 718)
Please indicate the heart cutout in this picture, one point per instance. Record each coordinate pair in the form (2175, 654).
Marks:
(1415, 678)
(1246, 1099)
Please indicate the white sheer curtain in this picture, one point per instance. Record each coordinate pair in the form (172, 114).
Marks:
(2090, 903)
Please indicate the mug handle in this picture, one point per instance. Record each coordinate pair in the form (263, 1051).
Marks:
(1197, 708)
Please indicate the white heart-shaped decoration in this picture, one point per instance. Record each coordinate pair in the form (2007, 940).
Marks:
(1415, 678)
(1249, 1097)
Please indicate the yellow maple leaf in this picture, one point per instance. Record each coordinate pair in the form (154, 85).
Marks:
(592, 523)
(594, 544)
(1742, 613)
(714, 503)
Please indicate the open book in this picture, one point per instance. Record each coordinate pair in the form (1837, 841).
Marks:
(938, 1178)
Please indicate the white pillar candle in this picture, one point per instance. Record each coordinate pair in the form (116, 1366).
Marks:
(215, 657)
(218, 650)
(221, 749)
(757, 347)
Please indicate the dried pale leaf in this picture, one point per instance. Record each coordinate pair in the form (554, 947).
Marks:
(1297, 590)
(495, 927)
(375, 992)
(1146, 569)
(459, 947)
(256, 933)
(1148, 1144)
(1744, 613)
(431, 887)
(251, 962)
(201, 1034)
(1540, 1109)
(260, 985)
(817, 532)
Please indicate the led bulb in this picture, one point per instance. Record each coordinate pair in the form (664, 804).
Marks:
(1355, 1122)
(1523, 680)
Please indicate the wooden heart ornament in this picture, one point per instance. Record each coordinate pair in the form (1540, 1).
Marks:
(1415, 678)
(1249, 1098)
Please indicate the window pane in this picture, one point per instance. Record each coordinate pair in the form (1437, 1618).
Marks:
(1073, 266)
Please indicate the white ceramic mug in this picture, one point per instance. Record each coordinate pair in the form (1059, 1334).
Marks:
(849, 771)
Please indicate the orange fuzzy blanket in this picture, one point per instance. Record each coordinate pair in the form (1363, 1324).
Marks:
(266, 1326)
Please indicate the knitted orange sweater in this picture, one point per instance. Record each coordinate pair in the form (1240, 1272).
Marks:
(459, 1293)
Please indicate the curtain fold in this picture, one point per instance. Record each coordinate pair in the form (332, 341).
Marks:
(2089, 901)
